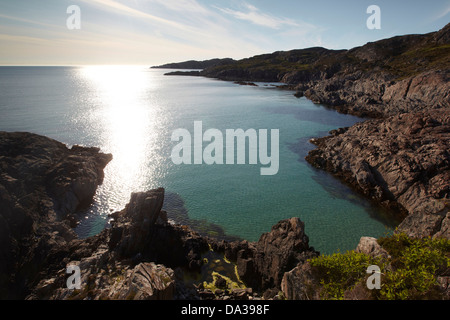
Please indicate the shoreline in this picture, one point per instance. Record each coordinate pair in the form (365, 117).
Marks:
(136, 244)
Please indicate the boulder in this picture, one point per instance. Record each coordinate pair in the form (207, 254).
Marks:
(300, 283)
(147, 281)
(370, 246)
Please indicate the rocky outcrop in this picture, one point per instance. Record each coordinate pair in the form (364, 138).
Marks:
(120, 262)
(42, 182)
(261, 264)
(380, 95)
(146, 281)
(140, 256)
(301, 283)
(370, 246)
(402, 163)
(134, 259)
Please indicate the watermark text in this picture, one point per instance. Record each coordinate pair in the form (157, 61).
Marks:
(236, 142)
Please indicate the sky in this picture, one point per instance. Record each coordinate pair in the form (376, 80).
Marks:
(152, 32)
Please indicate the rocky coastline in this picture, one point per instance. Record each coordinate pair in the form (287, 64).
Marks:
(380, 79)
(400, 160)
(401, 163)
(143, 255)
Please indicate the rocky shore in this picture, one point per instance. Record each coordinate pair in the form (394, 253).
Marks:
(400, 160)
(401, 163)
(142, 255)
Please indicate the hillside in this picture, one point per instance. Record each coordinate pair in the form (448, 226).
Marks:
(383, 78)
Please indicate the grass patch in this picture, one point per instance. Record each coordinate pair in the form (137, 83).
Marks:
(410, 273)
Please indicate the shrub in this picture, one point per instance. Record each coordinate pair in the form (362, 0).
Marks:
(340, 272)
(417, 262)
(409, 273)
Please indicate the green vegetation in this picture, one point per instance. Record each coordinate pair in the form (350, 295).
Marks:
(340, 272)
(217, 272)
(400, 57)
(228, 283)
(410, 273)
(416, 263)
(417, 60)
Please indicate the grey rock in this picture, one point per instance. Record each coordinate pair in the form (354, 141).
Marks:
(370, 246)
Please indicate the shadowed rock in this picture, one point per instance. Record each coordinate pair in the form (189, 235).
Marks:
(42, 182)
(261, 264)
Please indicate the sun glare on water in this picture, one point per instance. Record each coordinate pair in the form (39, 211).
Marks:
(127, 117)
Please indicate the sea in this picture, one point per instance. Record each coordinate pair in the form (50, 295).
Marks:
(132, 112)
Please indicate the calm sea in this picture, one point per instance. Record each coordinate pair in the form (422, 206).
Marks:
(131, 112)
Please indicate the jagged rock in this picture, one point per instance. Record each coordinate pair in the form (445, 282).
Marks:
(147, 281)
(42, 182)
(134, 224)
(261, 264)
(300, 283)
(280, 250)
(137, 251)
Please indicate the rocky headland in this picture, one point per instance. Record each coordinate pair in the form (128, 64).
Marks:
(42, 184)
(194, 64)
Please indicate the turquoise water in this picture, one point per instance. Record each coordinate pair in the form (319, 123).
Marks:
(131, 112)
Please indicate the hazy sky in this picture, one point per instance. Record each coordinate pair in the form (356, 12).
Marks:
(149, 32)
